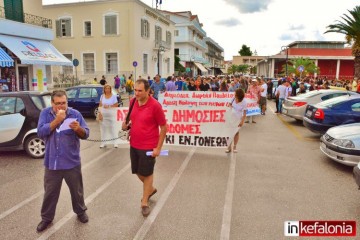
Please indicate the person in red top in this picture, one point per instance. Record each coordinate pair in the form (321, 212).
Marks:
(146, 117)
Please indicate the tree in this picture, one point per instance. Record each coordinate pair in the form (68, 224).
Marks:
(350, 27)
(245, 51)
(242, 68)
(232, 69)
(177, 65)
(308, 64)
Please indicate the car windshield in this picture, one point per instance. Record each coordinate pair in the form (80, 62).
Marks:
(39, 100)
(333, 101)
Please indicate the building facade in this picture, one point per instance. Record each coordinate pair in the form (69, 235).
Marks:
(26, 52)
(333, 59)
(112, 37)
(215, 57)
(190, 44)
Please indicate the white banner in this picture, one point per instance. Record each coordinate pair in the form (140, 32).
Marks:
(196, 118)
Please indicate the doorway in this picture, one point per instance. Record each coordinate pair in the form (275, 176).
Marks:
(23, 78)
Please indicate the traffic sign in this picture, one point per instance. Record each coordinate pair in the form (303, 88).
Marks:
(75, 62)
(135, 63)
(301, 68)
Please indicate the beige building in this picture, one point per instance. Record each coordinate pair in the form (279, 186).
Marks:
(252, 61)
(108, 36)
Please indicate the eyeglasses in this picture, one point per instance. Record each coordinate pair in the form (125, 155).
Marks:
(60, 103)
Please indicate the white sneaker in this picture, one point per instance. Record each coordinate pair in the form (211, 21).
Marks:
(102, 145)
(116, 146)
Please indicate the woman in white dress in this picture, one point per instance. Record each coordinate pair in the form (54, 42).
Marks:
(107, 121)
(238, 105)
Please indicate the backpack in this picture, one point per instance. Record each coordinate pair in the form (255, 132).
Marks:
(128, 87)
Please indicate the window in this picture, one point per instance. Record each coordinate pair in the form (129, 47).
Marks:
(176, 33)
(89, 64)
(145, 63)
(110, 24)
(355, 107)
(63, 27)
(7, 105)
(158, 33)
(87, 28)
(85, 93)
(71, 93)
(145, 33)
(68, 69)
(168, 37)
(111, 63)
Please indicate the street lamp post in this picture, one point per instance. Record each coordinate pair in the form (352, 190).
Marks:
(161, 51)
(285, 48)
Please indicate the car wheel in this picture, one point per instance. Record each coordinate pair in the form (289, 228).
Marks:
(95, 111)
(34, 146)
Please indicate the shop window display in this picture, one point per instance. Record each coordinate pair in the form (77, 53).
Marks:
(8, 79)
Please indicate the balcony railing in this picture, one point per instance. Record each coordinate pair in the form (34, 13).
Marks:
(31, 19)
(163, 44)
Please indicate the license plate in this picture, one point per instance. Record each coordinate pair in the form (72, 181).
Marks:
(308, 113)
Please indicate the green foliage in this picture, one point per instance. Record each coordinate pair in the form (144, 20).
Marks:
(177, 65)
(350, 27)
(245, 51)
(309, 66)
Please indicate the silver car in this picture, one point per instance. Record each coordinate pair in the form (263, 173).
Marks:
(295, 106)
(342, 144)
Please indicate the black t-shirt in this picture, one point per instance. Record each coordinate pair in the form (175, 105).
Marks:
(204, 87)
(103, 82)
(191, 87)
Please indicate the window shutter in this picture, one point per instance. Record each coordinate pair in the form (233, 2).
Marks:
(142, 27)
(113, 25)
(68, 28)
(58, 28)
(148, 28)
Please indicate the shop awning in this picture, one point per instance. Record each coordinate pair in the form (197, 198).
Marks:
(31, 51)
(201, 67)
(5, 59)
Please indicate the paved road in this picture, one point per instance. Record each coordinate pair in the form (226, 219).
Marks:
(278, 174)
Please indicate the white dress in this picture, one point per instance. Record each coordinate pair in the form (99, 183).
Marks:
(108, 122)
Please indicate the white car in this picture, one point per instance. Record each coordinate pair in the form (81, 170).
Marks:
(295, 106)
(342, 144)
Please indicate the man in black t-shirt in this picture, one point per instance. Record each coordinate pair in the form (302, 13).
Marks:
(103, 80)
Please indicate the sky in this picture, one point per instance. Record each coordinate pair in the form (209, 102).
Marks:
(263, 25)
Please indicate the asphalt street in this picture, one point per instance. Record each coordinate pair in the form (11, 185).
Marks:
(279, 174)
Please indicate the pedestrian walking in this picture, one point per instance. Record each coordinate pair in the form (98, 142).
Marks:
(146, 117)
(239, 108)
(107, 122)
(157, 87)
(62, 157)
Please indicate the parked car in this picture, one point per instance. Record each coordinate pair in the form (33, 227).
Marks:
(86, 98)
(342, 144)
(19, 115)
(295, 106)
(333, 112)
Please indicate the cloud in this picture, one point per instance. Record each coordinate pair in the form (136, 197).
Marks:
(249, 6)
(297, 27)
(231, 22)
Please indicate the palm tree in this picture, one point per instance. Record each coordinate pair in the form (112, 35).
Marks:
(350, 26)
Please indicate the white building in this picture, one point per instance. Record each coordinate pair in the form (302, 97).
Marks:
(190, 45)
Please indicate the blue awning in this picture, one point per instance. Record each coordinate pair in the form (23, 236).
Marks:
(5, 59)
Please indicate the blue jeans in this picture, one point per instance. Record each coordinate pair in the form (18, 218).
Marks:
(280, 104)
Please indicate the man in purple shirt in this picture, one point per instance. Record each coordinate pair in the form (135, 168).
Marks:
(62, 157)
(170, 84)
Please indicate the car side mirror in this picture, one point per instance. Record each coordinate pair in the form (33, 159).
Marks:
(23, 112)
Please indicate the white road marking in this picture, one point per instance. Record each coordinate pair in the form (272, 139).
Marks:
(159, 205)
(40, 193)
(226, 221)
(88, 200)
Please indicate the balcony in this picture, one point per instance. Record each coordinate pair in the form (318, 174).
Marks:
(30, 19)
